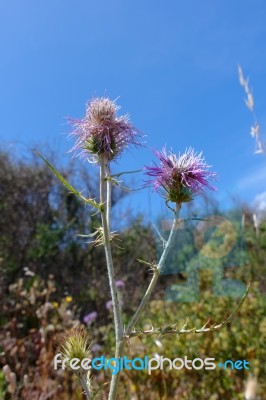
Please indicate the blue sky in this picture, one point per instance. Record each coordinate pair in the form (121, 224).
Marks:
(173, 65)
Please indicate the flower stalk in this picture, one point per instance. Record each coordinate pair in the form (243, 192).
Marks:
(156, 274)
(105, 212)
(105, 199)
(85, 386)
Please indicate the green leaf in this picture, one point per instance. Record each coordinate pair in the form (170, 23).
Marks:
(67, 184)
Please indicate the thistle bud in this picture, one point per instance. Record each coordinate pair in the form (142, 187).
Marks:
(74, 344)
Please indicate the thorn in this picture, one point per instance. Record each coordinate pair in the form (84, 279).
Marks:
(204, 326)
(160, 236)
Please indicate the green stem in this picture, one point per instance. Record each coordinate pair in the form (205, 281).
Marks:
(85, 386)
(155, 277)
(105, 199)
(108, 199)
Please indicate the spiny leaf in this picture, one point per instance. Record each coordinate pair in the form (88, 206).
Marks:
(67, 184)
(144, 262)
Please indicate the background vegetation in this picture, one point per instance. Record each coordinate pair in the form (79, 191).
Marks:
(51, 279)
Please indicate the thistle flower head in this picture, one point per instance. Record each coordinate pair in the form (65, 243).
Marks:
(102, 132)
(74, 343)
(119, 284)
(109, 305)
(89, 318)
(180, 178)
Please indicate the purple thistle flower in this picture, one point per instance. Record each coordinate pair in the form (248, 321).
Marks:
(109, 305)
(89, 318)
(95, 348)
(120, 284)
(102, 132)
(180, 178)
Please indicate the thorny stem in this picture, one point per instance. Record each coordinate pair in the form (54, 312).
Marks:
(105, 200)
(173, 329)
(155, 277)
(85, 386)
(142, 304)
(108, 199)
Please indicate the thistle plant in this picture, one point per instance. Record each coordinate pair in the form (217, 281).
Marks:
(101, 137)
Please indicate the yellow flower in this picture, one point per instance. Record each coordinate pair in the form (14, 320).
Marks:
(68, 299)
(133, 388)
(55, 304)
(113, 363)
